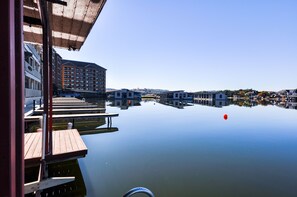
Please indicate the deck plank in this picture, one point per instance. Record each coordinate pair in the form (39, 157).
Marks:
(80, 144)
(29, 144)
(67, 144)
(35, 143)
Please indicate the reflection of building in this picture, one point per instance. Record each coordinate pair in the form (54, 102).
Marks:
(292, 95)
(177, 95)
(32, 73)
(287, 105)
(174, 103)
(212, 95)
(83, 76)
(212, 102)
(123, 94)
(124, 103)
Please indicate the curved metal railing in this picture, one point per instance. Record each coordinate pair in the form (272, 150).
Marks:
(138, 190)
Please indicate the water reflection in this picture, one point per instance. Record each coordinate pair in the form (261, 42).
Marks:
(180, 104)
(76, 188)
(246, 103)
(123, 104)
(99, 130)
(213, 103)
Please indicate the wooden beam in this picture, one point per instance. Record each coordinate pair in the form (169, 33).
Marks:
(46, 183)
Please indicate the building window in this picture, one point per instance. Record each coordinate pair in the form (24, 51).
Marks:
(27, 82)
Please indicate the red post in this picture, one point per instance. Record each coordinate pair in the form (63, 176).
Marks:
(19, 88)
(11, 100)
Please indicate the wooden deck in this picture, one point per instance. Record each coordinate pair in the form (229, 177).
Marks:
(73, 116)
(67, 145)
(79, 110)
(72, 106)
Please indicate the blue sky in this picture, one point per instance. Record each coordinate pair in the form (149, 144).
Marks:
(195, 44)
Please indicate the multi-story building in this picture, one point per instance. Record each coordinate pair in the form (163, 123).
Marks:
(83, 77)
(56, 69)
(33, 71)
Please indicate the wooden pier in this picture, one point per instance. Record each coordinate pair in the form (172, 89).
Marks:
(73, 116)
(72, 106)
(78, 110)
(66, 144)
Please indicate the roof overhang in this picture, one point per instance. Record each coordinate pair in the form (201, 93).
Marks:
(70, 23)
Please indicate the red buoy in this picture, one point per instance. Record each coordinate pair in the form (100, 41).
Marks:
(225, 116)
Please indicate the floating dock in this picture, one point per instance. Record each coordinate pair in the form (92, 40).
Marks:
(78, 110)
(73, 116)
(66, 144)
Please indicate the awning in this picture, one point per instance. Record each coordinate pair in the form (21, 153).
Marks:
(70, 24)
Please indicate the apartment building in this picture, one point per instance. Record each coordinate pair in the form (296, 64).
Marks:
(83, 77)
(33, 73)
(56, 70)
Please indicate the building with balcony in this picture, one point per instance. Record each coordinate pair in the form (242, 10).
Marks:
(84, 77)
(33, 73)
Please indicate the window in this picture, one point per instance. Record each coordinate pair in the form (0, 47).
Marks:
(27, 82)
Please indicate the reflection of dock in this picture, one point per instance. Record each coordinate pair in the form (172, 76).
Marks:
(99, 130)
(71, 168)
(66, 144)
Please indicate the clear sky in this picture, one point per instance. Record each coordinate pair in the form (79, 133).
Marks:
(195, 44)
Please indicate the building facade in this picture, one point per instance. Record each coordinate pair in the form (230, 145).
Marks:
(83, 77)
(33, 73)
(57, 71)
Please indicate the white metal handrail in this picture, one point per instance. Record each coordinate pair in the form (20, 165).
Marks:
(138, 190)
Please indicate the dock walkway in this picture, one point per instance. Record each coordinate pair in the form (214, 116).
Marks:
(67, 145)
(73, 116)
(78, 110)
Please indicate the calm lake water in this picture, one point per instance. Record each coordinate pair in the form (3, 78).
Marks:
(186, 151)
(193, 152)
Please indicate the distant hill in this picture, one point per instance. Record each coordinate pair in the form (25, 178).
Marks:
(149, 90)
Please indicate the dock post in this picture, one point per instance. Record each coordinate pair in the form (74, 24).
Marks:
(40, 102)
(33, 105)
